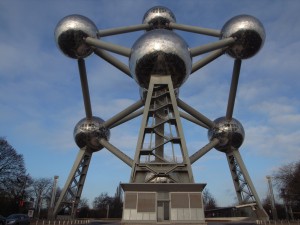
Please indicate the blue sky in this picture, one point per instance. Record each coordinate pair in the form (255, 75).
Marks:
(41, 100)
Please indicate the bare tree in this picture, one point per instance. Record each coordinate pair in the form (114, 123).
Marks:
(83, 203)
(208, 200)
(11, 165)
(102, 201)
(83, 208)
(13, 178)
(41, 188)
(287, 181)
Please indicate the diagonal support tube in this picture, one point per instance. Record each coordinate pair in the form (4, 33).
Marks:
(203, 62)
(195, 29)
(122, 156)
(197, 155)
(212, 46)
(85, 89)
(129, 117)
(122, 30)
(195, 113)
(192, 119)
(110, 122)
(112, 60)
(233, 88)
(108, 46)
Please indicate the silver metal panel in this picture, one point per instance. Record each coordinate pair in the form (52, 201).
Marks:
(146, 202)
(130, 200)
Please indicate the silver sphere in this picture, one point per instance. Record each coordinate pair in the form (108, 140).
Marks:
(88, 132)
(70, 33)
(153, 178)
(249, 33)
(160, 52)
(159, 17)
(230, 133)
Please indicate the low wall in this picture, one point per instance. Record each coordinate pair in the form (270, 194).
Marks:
(60, 222)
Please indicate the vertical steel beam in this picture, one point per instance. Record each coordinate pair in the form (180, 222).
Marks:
(159, 111)
(233, 88)
(85, 89)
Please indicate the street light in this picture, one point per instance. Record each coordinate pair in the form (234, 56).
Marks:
(50, 214)
(272, 199)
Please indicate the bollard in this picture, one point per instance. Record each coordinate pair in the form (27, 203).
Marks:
(43, 222)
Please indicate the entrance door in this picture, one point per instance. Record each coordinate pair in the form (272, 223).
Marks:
(163, 211)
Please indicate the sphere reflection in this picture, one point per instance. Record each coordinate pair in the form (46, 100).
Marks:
(88, 132)
(70, 33)
(230, 133)
(159, 17)
(160, 52)
(249, 33)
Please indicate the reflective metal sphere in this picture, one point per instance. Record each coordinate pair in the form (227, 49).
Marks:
(70, 33)
(152, 178)
(160, 52)
(89, 132)
(230, 133)
(250, 35)
(159, 17)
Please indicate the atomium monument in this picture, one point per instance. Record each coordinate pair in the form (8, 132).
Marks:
(161, 186)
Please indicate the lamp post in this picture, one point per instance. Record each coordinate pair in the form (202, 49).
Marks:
(50, 214)
(272, 199)
(107, 211)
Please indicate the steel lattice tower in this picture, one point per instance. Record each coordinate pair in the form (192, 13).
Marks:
(161, 187)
